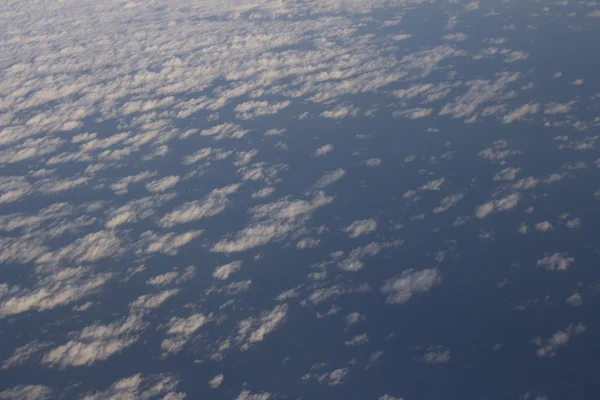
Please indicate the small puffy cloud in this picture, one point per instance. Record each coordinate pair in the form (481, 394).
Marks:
(414, 113)
(447, 202)
(139, 387)
(436, 357)
(507, 174)
(558, 108)
(340, 112)
(505, 204)
(544, 226)
(246, 395)
(361, 227)
(433, 185)
(253, 109)
(577, 82)
(455, 37)
(216, 381)
(354, 261)
(354, 318)
(169, 243)
(163, 184)
(255, 329)
(27, 392)
(321, 151)
(373, 162)
(263, 193)
(526, 183)
(521, 112)
(358, 340)
(223, 272)
(180, 331)
(213, 204)
(556, 261)
(548, 347)
(575, 300)
(307, 243)
(401, 288)
(330, 178)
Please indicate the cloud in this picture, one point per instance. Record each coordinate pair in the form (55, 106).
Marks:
(401, 288)
(358, 340)
(340, 112)
(169, 243)
(575, 300)
(246, 395)
(330, 178)
(60, 288)
(139, 387)
(521, 112)
(373, 162)
(216, 381)
(325, 149)
(448, 202)
(272, 222)
(163, 184)
(556, 261)
(433, 185)
(253, 109)
(27, 392)
(223, 272)
(263, 193)
(505, 204)
(255, 329)
(415, 113)
(544, 226)
(436, 357)
(548, 347)
(212, 204)
(559, 108)
(180, 331)
(95, 343)
(361, 227)
(354, 318)
(526, 183)
(455, 37)
(354, 260)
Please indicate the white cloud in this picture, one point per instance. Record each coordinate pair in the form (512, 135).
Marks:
(505, 204)
(361, 227)
(354, 260)
(169, 243)
(556, 261)
(139, 387)
(325, 149)
(544, 226)
(373, 162)
(415, 113)
(436, 357)
(253, 109)
(401, 288)
(180, 331)
(358, 340)
(548, 348)
(575, 300)
(330, 178)
(27, 392)
(340, 112)
(216, 381)
(255, 329)
(163, 184)
(272, 222)
(223, 272)
(246, 395)
(521, 112)
(214, 203)
(447, 202)
(433, 185)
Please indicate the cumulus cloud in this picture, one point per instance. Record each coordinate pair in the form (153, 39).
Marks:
(180, 331)
(27, 392)
(330, 178)
(436, 357)
(325, 149)
(216, 381)
(505, 204)
(548, 347)
(169, 243)
(272, 222)
(139, 387)
(521, 112)
(448, 202)
(214, 203)
(358, 340)
(255, 329)
(556, 261)
(401, 288)
(361, 227)
(223, 272)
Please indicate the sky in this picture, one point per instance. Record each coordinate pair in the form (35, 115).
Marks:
(299, 199)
